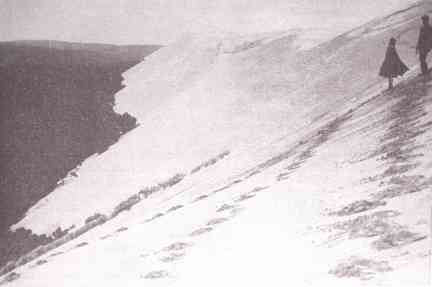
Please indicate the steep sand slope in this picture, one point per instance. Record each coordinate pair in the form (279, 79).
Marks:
(200, 97)
(327, 180)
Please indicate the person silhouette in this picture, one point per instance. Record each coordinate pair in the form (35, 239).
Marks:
(392, 65)
(424, 44)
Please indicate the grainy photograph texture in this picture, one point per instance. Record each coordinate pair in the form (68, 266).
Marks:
(215, 143)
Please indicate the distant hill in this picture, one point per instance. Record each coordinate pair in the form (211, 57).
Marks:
(56, 109)
(125, 53)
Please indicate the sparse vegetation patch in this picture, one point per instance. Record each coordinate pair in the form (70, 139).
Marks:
(10, 277)
(361, 268)
(357, 207)
(210, 162)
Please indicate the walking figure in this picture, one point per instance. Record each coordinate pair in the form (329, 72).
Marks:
(392, 65)
(424, 43)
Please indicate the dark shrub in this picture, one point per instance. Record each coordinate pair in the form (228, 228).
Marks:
(126, 205)
(96, 217)
(210, 162)
(172, 181)
(58, 233)
(10, 277)
(15, 244)
(146, 192)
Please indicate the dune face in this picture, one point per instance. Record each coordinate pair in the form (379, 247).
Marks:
(56, 110)
(275, 159)
(203, 95)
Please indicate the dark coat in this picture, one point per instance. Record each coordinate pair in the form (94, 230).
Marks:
(424, 43)
(392, 65)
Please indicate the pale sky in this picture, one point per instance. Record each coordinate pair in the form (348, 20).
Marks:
(162, 21)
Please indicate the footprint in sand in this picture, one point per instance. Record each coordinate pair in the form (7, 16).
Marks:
(56, 254)
(358, 207)
(174, 252)
(200, 231)
(216, 221)
(292, 167)
(283, 176)
(362, 268)
(259, 189)
(158, 274)
(396, 239)
(245, 197)
(154, 217)
(199, 198)
(106, 236)
(212, 222)
(121, 229)
(252, 193)
(379, 223)
(144, 255)
(228, 185)
(82, 244)
(226, 207)
(172, 257)
(174, 208)
(41, 262)
(177, 246)
(222, 188)
(234, 209)
(253, 173)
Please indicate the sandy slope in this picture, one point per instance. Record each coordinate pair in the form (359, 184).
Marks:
(201, 96)
(327, 180)
(289, 223)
